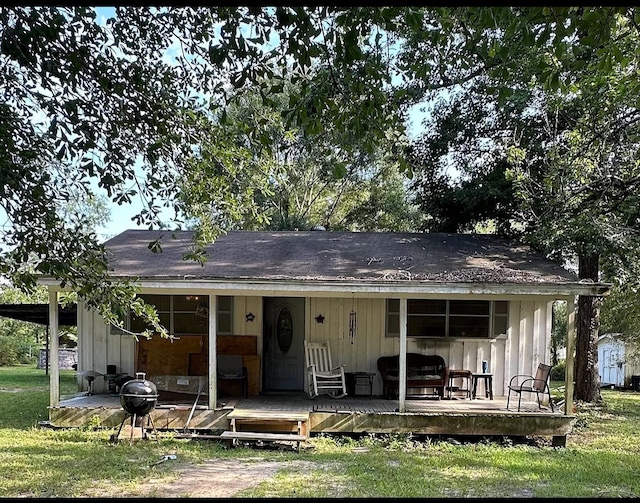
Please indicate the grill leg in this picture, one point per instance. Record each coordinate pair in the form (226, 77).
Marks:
(114, 438)
(133, 425)
(153, 427)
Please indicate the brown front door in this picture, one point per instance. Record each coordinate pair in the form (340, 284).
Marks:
(283, 353)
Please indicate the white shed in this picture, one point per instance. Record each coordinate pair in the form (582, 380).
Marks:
(614, 364)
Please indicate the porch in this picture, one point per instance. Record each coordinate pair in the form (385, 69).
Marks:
(457, 416)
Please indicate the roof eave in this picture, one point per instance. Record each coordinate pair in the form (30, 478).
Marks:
(351, 286)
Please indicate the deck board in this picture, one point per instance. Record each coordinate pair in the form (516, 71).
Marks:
(266, 415)
(457, 416)
(257, 435)
(300, 403)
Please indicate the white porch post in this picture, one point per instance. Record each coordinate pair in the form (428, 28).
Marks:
(54, 373)
(213, 324)
(571, 347)
(402, 385)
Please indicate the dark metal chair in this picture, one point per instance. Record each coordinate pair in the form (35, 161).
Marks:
(523, 383)
(230, 368)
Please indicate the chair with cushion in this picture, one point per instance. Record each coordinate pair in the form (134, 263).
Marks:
(423, 371)
(523, 383)
(322, 375)
(230, 368)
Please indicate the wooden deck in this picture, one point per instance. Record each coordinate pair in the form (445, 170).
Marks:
(349, 415)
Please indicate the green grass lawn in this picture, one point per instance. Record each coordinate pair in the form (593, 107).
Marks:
(600, 459)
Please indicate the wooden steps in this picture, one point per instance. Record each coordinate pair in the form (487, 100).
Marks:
(267, 425)
(262, 435)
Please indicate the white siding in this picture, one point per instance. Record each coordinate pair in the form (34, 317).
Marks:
(243, 306)
(526, 344)
(98, 348)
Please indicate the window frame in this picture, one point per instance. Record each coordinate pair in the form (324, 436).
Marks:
(220, 312)
(496, 318)
(114, 330)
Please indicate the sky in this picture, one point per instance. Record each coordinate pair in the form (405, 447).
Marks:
(120, 220)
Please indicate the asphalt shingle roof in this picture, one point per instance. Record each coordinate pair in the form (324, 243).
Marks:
(326, 256)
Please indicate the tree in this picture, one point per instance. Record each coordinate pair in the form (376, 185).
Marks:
(19, 340)
(385, 205)
(289, 180)
(85, 101)
(590, 190)
(90, 209)
(110, 104)
(460, 165)
(576, 174)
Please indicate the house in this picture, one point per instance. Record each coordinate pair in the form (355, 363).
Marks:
(469, 298)
(616, 364)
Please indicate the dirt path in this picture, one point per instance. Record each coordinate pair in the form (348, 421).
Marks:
(217, 478)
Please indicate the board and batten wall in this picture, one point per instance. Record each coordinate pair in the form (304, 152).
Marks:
(98, 347)
(526, 344)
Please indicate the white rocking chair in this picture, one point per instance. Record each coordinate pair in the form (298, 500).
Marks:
(321, 372)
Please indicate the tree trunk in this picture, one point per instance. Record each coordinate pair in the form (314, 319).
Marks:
(587, 378)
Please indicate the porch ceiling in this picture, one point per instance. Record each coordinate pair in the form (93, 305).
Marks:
(39, 313)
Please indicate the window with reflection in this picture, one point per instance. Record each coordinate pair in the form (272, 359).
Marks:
(449, 318)
(186, 314)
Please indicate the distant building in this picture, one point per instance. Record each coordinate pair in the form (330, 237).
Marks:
(614, 363)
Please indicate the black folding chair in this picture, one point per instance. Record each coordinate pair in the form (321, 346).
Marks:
(230, 368)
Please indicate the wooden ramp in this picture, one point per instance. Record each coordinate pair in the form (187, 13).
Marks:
(267, 425)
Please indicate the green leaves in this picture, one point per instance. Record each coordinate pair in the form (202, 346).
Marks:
(142, 106)
(155, 246)
(218, 55)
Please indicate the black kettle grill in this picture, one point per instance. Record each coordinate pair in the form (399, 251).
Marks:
(138, 397)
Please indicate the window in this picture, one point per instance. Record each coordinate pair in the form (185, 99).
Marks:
(449, 318)
(429, 317)
(225, 315)
(500, 317)
(187, 314)
(393, 318)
